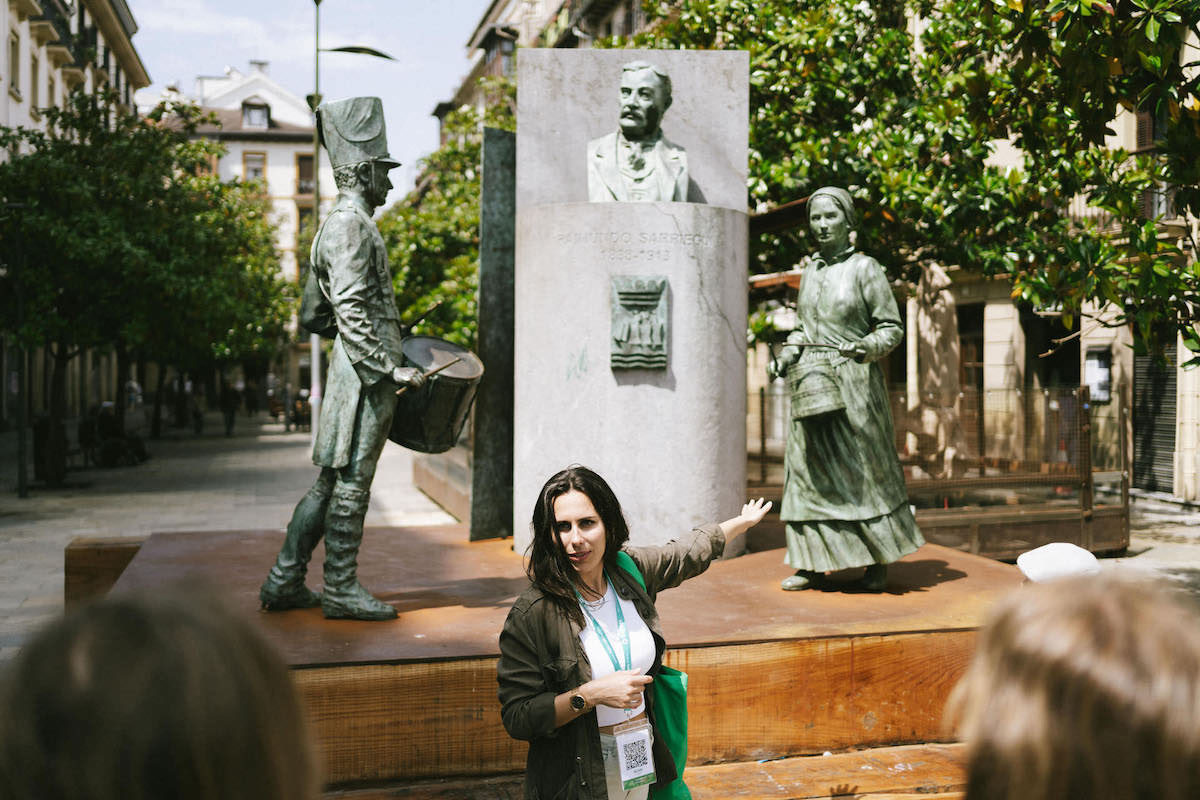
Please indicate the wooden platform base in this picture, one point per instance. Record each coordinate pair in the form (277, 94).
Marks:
(884, 773)
(773, 674)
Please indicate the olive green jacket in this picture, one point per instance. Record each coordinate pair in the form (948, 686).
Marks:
(541, 656)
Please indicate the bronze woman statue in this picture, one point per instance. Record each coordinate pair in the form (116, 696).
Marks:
(844, 500)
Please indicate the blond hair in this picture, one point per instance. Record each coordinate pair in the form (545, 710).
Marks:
(1083, 688)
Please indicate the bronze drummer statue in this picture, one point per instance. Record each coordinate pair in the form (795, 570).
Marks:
(353, 292)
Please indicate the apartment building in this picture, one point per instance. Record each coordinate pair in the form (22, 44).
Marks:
(267, 131)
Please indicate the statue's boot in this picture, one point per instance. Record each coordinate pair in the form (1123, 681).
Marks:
(345, 597)
(803, 579)
(875, 578)
(284, 587)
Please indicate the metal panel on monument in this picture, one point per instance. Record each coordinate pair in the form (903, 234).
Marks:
(631, 264)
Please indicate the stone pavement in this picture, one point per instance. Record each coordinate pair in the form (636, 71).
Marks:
(251, 480)
(1164, 540)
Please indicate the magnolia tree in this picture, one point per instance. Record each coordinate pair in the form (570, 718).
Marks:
(432, 236)
(903, 103)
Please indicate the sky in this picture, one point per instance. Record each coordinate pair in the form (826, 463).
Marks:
(179, 40)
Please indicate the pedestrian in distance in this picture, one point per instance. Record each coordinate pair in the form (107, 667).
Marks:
(231, 399)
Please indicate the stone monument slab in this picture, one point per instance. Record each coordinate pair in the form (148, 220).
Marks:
(671, 442)
(630, 293)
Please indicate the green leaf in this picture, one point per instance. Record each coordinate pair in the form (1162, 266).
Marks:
(1191, 339)
(1152, 26)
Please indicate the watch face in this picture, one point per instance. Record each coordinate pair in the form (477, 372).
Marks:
(577, 702)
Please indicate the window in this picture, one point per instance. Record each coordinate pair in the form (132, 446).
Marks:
(506, 57)
(304, 174)
(254, 166)
(255, 115)
(14, 64)
(35, 99)
(1157, 201)
(1097, 373)
(209, 167)
(304, 221)
(51, 90)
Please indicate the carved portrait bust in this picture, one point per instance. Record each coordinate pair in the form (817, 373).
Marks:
(636, 162)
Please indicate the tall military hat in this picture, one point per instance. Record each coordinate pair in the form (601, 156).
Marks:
(352, 131)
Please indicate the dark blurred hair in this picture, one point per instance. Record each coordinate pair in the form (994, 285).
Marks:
(160, 696)
(1084, 688)
(549, 569)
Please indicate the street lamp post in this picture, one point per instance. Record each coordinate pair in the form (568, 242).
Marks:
(314, 100)
(314, 340)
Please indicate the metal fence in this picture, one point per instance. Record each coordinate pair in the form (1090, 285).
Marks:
(995, 447)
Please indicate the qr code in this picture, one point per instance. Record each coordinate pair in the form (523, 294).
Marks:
(636, 754)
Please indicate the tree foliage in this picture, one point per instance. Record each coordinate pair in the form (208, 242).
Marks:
(128, 239)
(904, 105)
(433, 235)
(115, 236)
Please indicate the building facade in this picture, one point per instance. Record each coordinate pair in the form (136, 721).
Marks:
(267, 132)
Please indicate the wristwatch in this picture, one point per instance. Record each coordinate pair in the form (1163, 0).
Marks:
(578, 703)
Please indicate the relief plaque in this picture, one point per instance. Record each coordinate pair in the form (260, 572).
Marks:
(640, 324)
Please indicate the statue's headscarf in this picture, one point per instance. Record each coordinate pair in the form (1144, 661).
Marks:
(843, 200)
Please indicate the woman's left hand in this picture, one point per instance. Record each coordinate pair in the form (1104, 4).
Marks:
(754, 511)
(752, 514)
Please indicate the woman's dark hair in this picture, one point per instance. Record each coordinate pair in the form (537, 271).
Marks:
(549, 569)
(153, 695)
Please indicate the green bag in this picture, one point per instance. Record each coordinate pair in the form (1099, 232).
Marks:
(670, 703)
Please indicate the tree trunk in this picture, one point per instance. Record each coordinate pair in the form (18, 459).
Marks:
(56, 439)
(156, 419)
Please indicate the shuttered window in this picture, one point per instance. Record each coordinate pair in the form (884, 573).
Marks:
(1154, 422)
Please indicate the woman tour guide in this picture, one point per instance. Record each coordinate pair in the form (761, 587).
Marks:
(581, 645)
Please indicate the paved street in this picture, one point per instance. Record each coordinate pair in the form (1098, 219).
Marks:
(252, 480)
(1165, 539)
(191, 483)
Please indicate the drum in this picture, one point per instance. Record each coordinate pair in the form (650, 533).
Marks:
(430, 419)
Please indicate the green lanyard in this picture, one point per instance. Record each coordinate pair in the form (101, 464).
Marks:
(622, 633)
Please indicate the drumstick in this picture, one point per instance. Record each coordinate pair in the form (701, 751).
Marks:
(408, 326)
(431, 373)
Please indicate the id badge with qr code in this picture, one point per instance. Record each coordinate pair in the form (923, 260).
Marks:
(634, 755)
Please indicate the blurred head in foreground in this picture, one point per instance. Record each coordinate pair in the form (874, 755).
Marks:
(1083, 688)
(141, 697)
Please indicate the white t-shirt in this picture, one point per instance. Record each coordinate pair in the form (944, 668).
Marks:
(641, 647)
